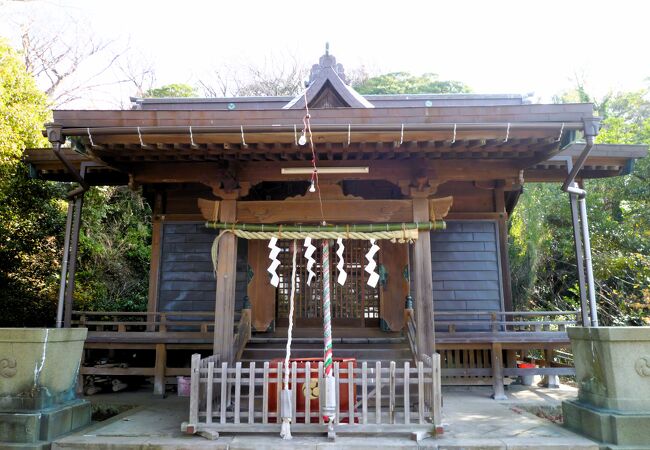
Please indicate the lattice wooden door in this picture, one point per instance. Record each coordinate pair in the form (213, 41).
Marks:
(354, 304)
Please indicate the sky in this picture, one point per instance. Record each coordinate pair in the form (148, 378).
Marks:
(517, 47)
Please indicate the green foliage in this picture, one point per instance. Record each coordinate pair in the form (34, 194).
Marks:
(23, 108)
(405, 83)
(542, 252)
(31, 213)
(174, 90)
(114, 251)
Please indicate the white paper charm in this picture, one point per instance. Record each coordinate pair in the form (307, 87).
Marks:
(341, 264)
(373, 279)
(275, 262)
(309, 254)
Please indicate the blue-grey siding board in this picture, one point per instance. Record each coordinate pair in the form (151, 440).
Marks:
(187, 281)
(466, 270)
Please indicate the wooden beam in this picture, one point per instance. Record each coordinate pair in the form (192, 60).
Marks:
(423, 281)
(224, 311)
(341, 211)
(414, 169)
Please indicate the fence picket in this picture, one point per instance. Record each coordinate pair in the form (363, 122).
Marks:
(364, 392)
(378, 392)
(391, 393)
(294, 389)
(436, 391)
(351, 399)
(421, 391)
(237, 390)
(278, 391)
(321, 393)
(209, 397)
(224, 397)
(407, 393)
(337, 417)
(265, 393)
(307, 388)
(194, 389)
(251, 392)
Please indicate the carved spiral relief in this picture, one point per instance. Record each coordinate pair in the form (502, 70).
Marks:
(642, 366)
(8, 367)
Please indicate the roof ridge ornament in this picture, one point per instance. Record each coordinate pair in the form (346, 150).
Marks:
(327, 61)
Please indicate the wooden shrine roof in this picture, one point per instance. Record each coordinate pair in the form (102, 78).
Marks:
(605, 160)
(467, 134)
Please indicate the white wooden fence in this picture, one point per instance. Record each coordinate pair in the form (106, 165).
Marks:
(378, 398)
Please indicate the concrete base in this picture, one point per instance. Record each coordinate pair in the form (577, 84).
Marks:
(611, 427)
(35, 430)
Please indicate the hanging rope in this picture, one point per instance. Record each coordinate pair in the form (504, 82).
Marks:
(352, 231)
(285, 431)
(306, 121)
(329, 410)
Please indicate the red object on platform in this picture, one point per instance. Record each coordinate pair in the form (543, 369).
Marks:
(312, 390)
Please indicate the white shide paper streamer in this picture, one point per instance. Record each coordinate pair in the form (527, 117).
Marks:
(370, 267)
(275, 262)
(341, 264)
(309, 254)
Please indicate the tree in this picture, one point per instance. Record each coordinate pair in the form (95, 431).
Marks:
(541, 251)
(31, 213)
(176, 90)
(272, 78)
(69, 62)
(405, 83)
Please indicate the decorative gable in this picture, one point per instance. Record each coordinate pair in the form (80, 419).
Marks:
(327, 88)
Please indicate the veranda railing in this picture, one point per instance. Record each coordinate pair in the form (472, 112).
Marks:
(379, 398)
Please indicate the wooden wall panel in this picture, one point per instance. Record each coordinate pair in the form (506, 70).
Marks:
(394, 258)
(260, 292)
(465, 269)
(467, 197)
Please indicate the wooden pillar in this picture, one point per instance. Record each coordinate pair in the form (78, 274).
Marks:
(550, 381)
(74, 247)
(154, 265)
(502, 225)
(224, 311)
(160, 369)
(497, 372)
(423, 281)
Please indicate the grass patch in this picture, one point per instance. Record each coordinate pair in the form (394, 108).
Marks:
(550, 413)
(101, 412)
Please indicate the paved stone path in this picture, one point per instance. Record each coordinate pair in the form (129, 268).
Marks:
(474, 421)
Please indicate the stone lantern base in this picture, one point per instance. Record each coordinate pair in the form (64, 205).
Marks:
(38, 375)
(613, 375)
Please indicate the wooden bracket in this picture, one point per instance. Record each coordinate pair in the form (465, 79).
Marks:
(209, 209)
(420, 187)
(231, 194)
(439, 207)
